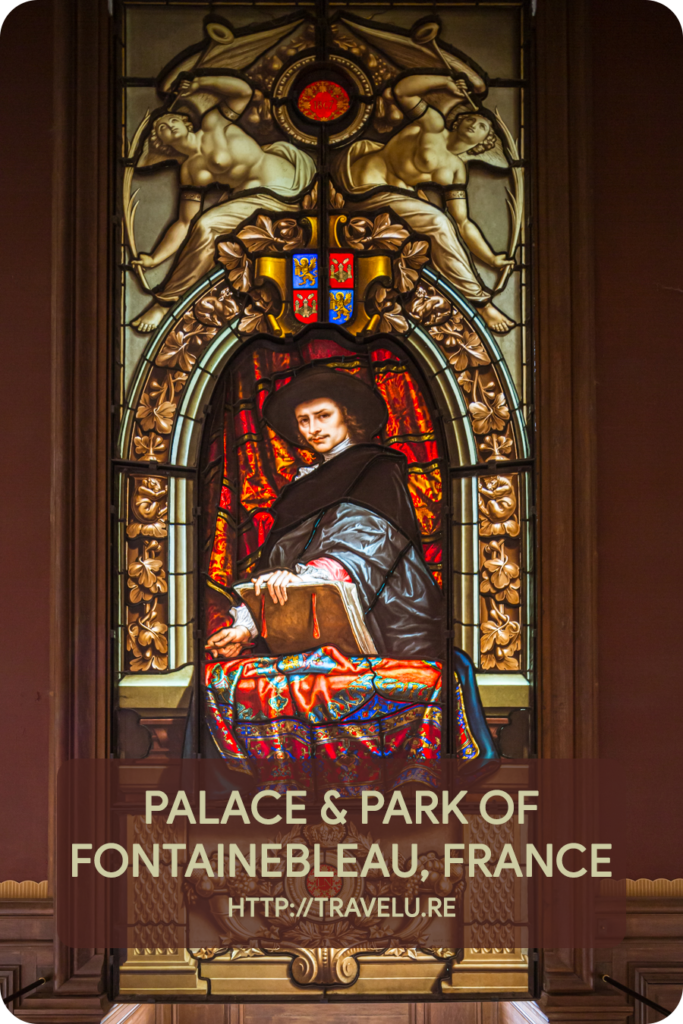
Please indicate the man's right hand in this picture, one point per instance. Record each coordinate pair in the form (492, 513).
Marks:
(228, 642)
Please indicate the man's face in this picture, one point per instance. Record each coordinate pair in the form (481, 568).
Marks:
(321, 424)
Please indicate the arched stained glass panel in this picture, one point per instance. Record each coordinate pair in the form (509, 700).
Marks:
(339, 190)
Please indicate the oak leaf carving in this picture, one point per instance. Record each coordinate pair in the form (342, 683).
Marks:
(237, 264)
(381, 233)
(392, 320)
(286, 234)
(256, 313)
(357, 232)
(487, 417)
(253, 320)
(408, 266)
(156, 417)
(386, 234)
(391, 314)
(259, 236)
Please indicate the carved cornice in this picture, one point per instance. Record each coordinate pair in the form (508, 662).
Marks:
(658, 888)
(11, 890)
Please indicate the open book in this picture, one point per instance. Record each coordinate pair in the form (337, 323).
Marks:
(314, 614)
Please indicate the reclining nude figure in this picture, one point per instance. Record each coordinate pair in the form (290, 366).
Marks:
(431, 149)
(218, 152)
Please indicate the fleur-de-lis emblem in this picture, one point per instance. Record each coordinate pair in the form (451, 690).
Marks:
(305, 268)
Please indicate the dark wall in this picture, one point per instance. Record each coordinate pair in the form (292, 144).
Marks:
(638, 95)
(638, 56)
(25, 280)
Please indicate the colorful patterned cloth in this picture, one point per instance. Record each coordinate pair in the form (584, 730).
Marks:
(323, 704)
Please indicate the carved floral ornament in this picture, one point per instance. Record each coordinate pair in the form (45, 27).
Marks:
(146, 583)
(492, 902)
(500, 581)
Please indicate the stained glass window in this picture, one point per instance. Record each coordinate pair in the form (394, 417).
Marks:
(342, 190)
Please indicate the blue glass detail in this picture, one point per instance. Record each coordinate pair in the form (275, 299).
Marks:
(305, 270)
(377, 707)
(341, 305)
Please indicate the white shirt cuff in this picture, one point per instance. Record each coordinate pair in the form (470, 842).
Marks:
(241, 616)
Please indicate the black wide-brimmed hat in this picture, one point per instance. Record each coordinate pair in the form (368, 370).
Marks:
(313, 382)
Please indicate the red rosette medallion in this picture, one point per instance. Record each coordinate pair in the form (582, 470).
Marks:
(323, 101)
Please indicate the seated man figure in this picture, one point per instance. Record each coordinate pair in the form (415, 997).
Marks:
(348, 517)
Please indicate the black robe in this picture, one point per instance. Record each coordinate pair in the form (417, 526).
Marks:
(356, 509)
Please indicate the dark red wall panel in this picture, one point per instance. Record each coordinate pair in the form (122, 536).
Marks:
(638, 171)
(25, 269)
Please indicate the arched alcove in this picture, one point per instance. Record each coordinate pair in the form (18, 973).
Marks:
(178, 464)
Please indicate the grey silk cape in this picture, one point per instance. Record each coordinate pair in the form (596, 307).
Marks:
(357, 510)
